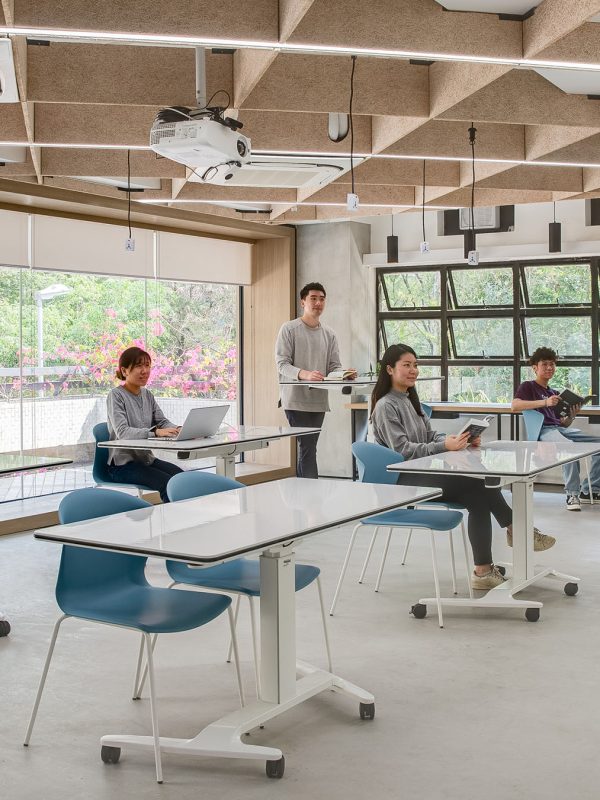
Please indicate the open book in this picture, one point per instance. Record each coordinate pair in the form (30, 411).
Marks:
(475, 427)
(342, 375)
(569, 399)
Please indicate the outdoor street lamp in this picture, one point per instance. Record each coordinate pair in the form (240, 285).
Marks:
(49, 293)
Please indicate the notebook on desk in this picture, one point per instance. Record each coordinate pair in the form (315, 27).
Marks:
(200, 423)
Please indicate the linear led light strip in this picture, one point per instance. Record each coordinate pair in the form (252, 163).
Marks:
(310, 154)
(292, 203)
(287, 47)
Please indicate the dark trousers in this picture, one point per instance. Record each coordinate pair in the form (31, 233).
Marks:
(155, 475)
(307, 445)
(479, 502)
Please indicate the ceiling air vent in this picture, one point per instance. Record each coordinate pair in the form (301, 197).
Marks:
(485, 217)
(8, 81)
(280, 174)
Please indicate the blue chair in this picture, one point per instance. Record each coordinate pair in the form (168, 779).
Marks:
(240, 576)
(373, 460)
(100, 472)
(111, 588)
(534, 422)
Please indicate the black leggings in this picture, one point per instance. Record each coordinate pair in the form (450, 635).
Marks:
(155, 475)
(479, 502)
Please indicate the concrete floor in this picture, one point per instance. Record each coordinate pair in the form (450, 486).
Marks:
(489, 707)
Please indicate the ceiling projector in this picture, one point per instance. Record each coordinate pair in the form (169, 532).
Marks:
(203, 139)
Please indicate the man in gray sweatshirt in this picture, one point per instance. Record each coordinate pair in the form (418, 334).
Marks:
(306, 350)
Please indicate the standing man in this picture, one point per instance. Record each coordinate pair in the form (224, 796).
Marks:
(537, 394)
(307, 350)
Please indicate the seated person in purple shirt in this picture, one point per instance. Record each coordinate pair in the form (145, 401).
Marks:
(537, 394)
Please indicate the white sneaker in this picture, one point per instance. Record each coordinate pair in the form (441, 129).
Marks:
(573, 503)
(490, 580)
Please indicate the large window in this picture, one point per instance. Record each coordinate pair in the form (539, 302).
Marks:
(60, 336)
(477, 327)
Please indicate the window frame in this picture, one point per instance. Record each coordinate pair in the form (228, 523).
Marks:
(518, 311)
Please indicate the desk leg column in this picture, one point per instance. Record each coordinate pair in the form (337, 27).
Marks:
(277, 626)
(226, 466)
(523, 564)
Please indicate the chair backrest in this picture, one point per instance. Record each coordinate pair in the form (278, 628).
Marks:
(372, 460)
(185, 485)
(534, 422)
(100, 466)
(85, 568)
(427, 410)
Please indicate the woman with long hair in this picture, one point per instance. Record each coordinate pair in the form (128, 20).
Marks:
(133, 413)
(400, 424)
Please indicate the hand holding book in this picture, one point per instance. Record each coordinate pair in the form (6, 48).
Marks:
(569, 402)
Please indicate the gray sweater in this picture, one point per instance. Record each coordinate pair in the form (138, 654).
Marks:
(299, 347)
(131, 416)
(397, 425)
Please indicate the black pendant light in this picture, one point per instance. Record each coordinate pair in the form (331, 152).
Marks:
(554, 234)
(470, 243)
(392, 246)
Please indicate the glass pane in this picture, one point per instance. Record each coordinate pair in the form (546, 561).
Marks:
(569, 336)
(558, 284)
(480, 384)
(411, 290)
(483, 337)
(579, 379)
(423, 335)
(429, 390)
(483, 287)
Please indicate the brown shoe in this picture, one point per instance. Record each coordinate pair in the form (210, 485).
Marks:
(541, 541)
(489, 580)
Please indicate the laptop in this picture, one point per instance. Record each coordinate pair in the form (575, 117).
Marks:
(200, 423)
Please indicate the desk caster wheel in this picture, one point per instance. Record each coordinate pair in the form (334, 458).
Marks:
(571, 589)
(367, 710)
(110, 755)
(275, 769)
(532, 614)
(5, 626)
(419, 610)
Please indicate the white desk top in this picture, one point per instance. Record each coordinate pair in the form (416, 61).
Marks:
(236, 437)
(15, 462)
(498, 460)
(364, 384)
(217, 527)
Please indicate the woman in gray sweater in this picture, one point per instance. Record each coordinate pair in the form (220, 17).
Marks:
(400, 424)
(133, 413)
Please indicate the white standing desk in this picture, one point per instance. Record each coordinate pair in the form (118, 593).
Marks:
(514, 464)
(270, 519)
(223, 446)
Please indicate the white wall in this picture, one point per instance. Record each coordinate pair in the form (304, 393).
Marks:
(528, 240)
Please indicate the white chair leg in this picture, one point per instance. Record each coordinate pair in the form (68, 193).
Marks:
(408, 538)
(452, 562)
(236, 655)
(436, 579)
(153, 711)
(344, 568)
(325, 631)
(236, 611)
(136, 681)
(140, 689)
(368, 556)
(383, 559)
(587, 463)
(463, 531)
(38, 696)
(255, 645)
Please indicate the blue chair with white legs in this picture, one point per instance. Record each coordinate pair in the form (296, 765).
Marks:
(241, 576)
(373, 460)
(111, 588)
(100, 472)
(534, 422)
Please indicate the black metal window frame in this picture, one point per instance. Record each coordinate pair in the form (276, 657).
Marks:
(518, 312)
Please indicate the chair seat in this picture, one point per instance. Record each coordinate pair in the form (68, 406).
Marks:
(147, 608)
(241, 575)
(417, 518)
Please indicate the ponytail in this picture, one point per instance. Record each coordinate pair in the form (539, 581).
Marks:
(384, 381)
